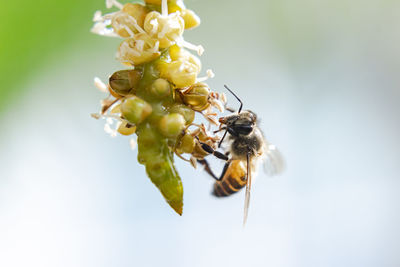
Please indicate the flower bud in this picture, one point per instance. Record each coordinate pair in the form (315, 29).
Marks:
(198, 152)
(178, 53)
(197, 96)
(137, 11)
(125, 82)
(175, 5)
(135, 109)
(153, 2)
(139, 49)
(127, 21)
(185, 111)
(165, 29)
(126, 129)
(171, 125)
(160, 88)
(190, 18)
(186, 144)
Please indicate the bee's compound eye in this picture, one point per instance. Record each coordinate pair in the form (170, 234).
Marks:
(243, 129)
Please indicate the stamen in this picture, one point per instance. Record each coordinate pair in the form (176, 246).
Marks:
(155, 47)
(100, 85)
(210, 74)
(109, 121)
(198, 48)
(111, 132)
(128, 30)
(154, 24)
(95, 116)
(111, 3)
(139, 44)
(163, 31)
(193, 161)
(100, 28)
(97, 16)
(137, 27)
(223, 98)
(216, 103)
(164, 8)
(132, 143)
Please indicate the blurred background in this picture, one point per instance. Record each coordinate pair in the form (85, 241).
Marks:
(322, 75)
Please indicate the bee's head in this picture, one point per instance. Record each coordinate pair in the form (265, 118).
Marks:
(240, 124)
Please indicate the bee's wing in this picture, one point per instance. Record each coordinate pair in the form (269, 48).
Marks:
(273, 161)
(248, 188)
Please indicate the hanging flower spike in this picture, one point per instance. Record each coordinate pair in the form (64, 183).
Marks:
(157, 97)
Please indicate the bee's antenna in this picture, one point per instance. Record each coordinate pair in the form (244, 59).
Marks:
(241, 104)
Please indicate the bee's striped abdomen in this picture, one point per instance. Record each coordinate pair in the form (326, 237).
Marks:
(233, 180)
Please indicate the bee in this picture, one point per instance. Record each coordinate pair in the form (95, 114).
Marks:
(246, 149)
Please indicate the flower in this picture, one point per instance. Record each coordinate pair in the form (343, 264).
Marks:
(165, 28)
(138, 50)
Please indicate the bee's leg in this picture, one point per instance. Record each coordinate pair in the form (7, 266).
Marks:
(210, 172)
(210, 150)
(223, 137)
(207, 168)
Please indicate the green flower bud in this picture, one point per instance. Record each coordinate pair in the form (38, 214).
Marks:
(137, 11)
(186, 144)
(190, 18)
(125, 82)
(126, 129)
(197, 96)
(178, 53)
(160, 88)
(175, 5)
(185, 111)
(171, 125)
(135, 109)
(198, 152)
